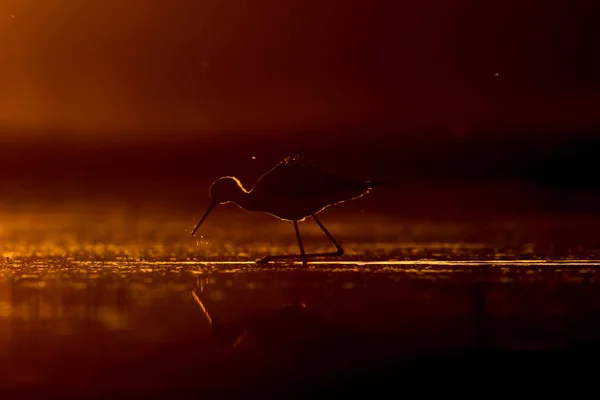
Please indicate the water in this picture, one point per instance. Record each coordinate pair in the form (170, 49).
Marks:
(97, 299)
(82, 328)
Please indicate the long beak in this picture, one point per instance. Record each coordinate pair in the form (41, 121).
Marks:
(204, 217)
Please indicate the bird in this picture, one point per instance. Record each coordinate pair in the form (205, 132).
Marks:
(293, 190)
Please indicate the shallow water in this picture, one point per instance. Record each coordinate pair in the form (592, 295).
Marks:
(82, 328)
(102, 230)
(98, 299)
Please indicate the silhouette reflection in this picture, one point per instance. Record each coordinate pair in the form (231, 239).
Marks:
(281, 330)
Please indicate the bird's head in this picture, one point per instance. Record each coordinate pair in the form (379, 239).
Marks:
(223, 190)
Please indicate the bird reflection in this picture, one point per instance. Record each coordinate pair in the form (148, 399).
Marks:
(274, 329)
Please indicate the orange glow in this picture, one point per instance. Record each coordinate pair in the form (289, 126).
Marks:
(139, 65)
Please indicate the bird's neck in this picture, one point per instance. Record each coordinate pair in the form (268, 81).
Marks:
(243, 199)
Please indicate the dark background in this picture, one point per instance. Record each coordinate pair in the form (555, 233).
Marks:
(472, 107)
(435, 175)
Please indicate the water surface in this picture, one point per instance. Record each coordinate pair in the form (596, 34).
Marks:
(99, 299)
(82, 328)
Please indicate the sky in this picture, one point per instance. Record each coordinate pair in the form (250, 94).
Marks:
(459, 66)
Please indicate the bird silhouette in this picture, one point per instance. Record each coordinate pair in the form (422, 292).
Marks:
(293, 190)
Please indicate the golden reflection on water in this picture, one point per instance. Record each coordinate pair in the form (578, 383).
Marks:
(122, 296)
(102, 230)
(98, 317)
(101, 295)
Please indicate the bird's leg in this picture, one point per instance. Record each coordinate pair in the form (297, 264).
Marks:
(300, 242)
(302, 255)
(339, 250)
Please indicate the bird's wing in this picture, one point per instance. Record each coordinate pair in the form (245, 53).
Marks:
(299, 177)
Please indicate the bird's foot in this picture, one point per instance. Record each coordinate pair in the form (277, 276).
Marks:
(264, 260)
(267, 258)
